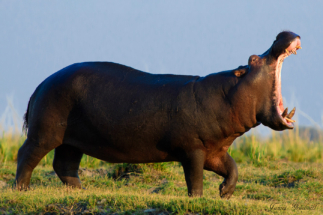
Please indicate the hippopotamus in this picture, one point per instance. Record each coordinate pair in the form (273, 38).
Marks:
(122, 115)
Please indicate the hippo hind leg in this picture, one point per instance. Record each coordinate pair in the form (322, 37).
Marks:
(66, 164)
(29, 155)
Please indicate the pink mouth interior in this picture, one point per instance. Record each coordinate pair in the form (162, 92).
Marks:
(291, 48)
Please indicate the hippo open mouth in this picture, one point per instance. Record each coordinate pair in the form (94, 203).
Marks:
(278, 99)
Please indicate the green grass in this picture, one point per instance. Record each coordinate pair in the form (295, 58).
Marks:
(164, 191)
(279, 175)
(288, 146)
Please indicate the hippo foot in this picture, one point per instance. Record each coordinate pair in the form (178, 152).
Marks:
(20, 186)
(226, 190)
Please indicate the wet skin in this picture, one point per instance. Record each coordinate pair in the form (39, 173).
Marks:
(119, 114)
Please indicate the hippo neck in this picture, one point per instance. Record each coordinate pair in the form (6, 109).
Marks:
(244, 105)
(229, 101)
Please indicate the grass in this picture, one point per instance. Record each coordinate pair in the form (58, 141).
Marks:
(288, 145)
(147, 188)
(278, 175)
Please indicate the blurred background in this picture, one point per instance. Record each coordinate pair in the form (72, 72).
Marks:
(38, 38)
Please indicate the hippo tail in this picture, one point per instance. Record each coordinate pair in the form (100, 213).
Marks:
(25, 125)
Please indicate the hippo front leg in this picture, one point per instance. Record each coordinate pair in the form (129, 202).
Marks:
(227, 168)
(193, 170)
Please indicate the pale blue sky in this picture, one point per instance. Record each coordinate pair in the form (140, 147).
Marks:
(38, 38)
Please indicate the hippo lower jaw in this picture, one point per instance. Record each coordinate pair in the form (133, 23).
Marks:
(286, 119)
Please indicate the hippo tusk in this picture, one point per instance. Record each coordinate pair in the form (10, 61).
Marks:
(298, 47)
(287, 51)
(285, 113)
(289, 120)
(291, 114)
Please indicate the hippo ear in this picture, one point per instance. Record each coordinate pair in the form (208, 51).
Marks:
(240, 72)
(283, 40)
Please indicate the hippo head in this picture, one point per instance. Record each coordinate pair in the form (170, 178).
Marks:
(265, 75)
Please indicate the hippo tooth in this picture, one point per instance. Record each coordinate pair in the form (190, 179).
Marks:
(291, 114)
(285, 112)
(289, 120)
(294, 52)
(287, 51)
(298, 47)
